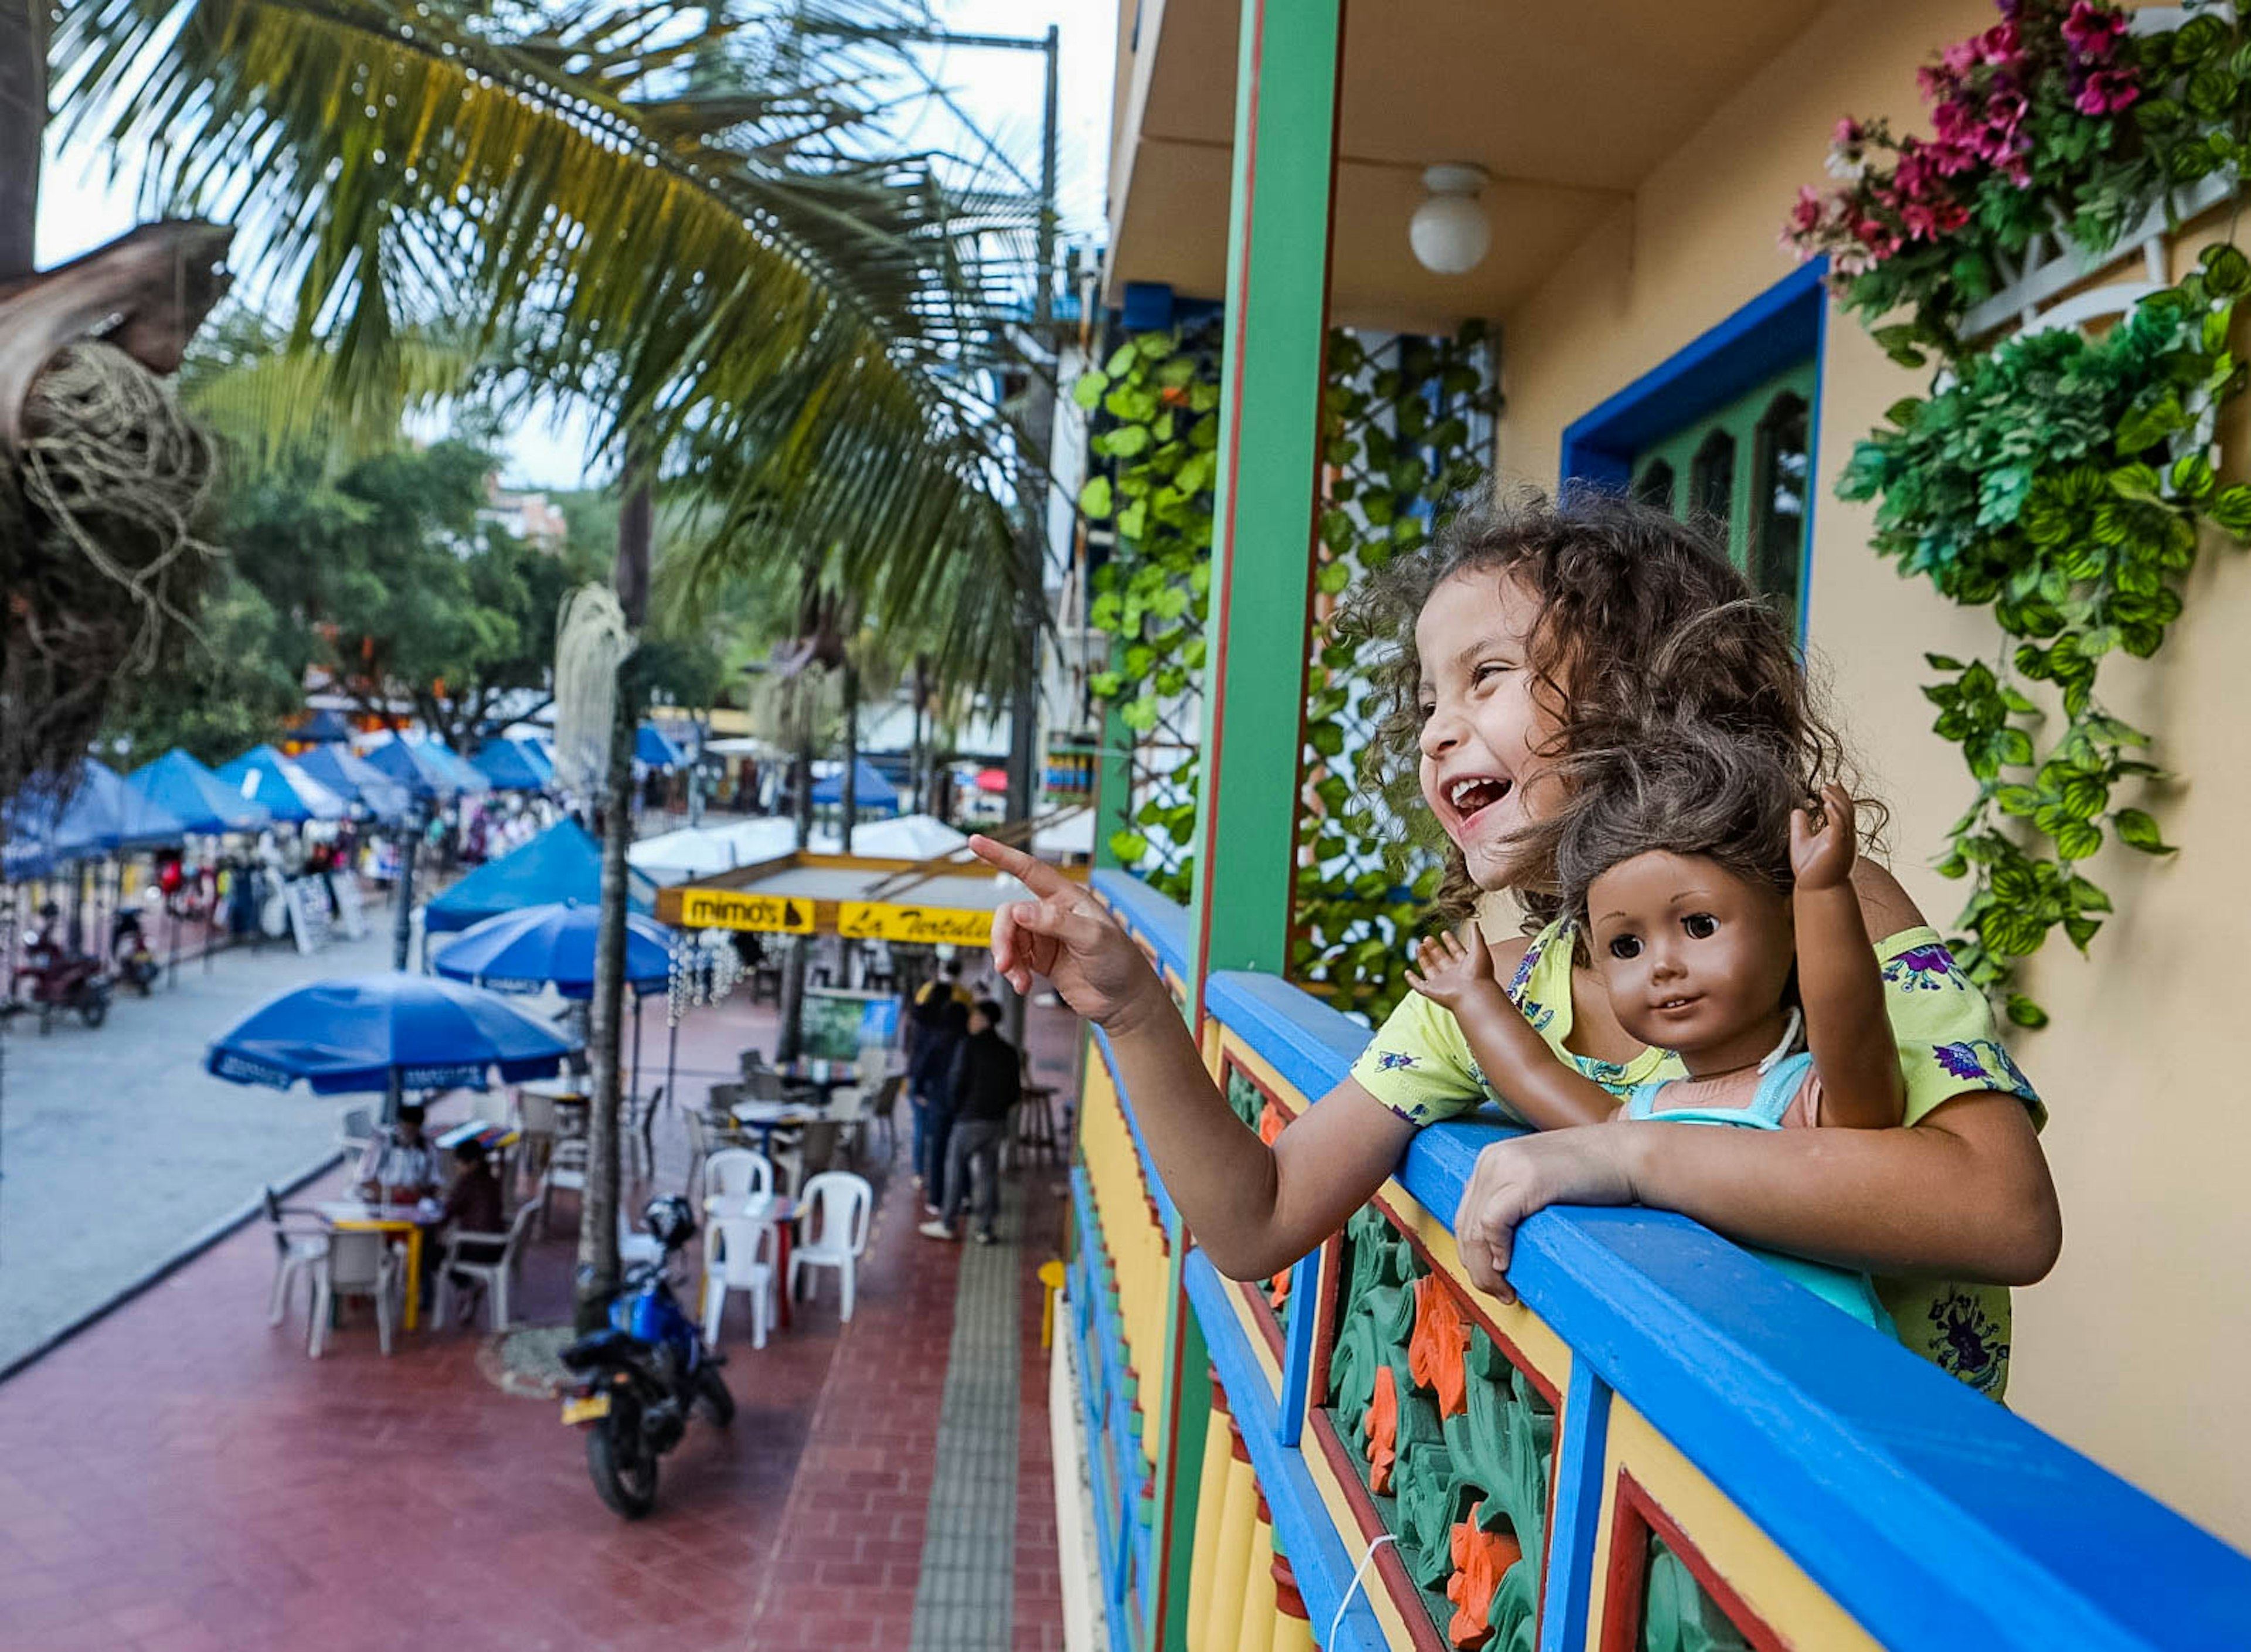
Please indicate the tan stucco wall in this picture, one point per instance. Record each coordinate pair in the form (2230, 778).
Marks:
(2135, 1350)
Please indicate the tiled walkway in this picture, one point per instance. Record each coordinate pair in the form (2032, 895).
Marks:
(181, 1476)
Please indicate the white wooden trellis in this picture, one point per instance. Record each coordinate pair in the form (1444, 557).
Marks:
(2052, 263)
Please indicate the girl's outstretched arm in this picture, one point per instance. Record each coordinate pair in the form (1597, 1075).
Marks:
(1255, 1210)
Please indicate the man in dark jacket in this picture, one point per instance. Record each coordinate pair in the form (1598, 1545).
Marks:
(930, 1081)
(987, 1083)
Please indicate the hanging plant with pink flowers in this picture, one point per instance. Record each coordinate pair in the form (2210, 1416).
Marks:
(2062, 482)
(2056, 120)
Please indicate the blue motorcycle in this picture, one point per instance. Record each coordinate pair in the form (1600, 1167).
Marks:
(641, 1376)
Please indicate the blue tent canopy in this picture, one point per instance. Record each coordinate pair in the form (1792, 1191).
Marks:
(322, 727)
(654, 747)
(357, 781)
(427, 769)
(510, 766)
(203, 802)
(101, 814)
(564, 863)
(871, 792)
(263, 776)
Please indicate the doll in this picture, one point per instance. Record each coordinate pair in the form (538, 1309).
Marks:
(1721, 921)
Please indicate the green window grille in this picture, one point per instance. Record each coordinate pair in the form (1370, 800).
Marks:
(1747, 465)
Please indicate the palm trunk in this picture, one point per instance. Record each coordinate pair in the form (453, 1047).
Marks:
(789, 1042)
(22, 131)
(598, 1222)
(851, 791)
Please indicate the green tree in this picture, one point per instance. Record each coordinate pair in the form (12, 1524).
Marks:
(242, 679)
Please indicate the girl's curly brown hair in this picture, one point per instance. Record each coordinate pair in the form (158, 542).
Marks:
(1642, 623)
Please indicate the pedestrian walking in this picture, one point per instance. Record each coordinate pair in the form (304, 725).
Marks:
(985, 1084)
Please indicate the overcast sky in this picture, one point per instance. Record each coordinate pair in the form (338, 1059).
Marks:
(87, 196)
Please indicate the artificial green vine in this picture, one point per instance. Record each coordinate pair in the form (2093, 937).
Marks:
(1402, 444)
(1401, 441)
(2059, 480)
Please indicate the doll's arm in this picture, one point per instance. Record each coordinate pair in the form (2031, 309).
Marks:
(1459, 976)
(1854, 1054)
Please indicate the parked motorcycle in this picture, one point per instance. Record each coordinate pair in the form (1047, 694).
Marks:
(641, 1376)
(129, 954)
(62, 982)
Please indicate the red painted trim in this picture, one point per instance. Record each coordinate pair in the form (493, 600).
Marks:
(1238, 324)
(1325, 1311)
(1404, 1591)
(1636, 1516)
(1548, 1389)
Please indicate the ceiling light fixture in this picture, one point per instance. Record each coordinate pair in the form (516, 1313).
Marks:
(1449, 231)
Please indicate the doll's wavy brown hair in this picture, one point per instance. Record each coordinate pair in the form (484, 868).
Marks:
(1642, 623)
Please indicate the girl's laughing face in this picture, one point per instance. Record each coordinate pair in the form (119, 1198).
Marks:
(1485, 721)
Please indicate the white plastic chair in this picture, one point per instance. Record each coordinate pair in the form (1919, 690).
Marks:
(734, 1176)
(832, 1228)
(535, 1123)
(493, 1275)
(737, 1257)
(358, 1263)
(301, 1244)
(634, 1245)
(566, 1172)
(355, 1129)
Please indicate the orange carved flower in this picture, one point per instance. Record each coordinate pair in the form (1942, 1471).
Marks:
(1441, 1343)
(1481, 1560)
(1383, 1431)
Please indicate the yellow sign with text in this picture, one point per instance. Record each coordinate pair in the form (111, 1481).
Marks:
(889, 920)
(724, 909)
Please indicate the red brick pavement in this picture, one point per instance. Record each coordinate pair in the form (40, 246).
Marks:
(178, 1476)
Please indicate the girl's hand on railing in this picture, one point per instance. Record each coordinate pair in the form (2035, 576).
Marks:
(1067, 936)
(1586, 1165)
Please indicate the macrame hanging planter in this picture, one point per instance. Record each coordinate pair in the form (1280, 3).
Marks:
(592, 643)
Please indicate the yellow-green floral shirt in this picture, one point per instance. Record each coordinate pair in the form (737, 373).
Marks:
(1420, 1066)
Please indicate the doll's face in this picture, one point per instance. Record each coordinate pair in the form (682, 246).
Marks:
(1696, 959)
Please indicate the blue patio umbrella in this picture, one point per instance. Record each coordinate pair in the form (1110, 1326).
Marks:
(202, 800)
(386, 1033)
(652, 747)
(263, 776)
(553, 946)
(357, 781)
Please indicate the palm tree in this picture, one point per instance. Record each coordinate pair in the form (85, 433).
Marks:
(701, 235)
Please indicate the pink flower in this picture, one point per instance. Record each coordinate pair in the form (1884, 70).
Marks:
(1928, 220)
(2005, 111)
(1960, 57)
(2106, 91)
(1807, 212)
(1877, 237)
(1848, 134)
(2092, 30)
(1998, 43)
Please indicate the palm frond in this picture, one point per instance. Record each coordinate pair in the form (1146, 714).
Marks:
(803, 333)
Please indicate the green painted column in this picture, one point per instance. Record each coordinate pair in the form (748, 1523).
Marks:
(1254, 685)
(1277, 298)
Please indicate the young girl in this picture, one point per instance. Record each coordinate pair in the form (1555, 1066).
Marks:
(1518, 639)
(1722, 924)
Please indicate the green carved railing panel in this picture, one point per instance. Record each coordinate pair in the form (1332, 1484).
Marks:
(1454, 1443)
(1677, 1613)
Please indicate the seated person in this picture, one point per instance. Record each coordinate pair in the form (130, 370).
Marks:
(400, 1164)
(473, 1204)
